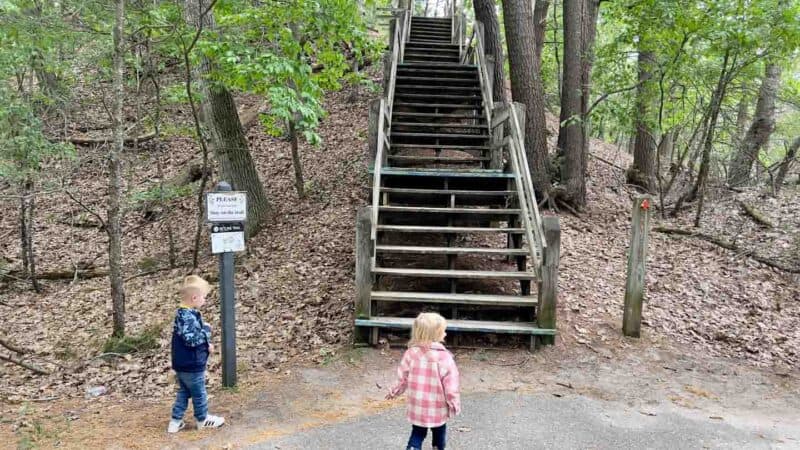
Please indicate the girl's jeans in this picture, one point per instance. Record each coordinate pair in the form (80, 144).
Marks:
(418, 436)
(191, 384)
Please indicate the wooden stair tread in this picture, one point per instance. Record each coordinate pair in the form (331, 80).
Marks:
(405, 323)
(439, 135)
(432, 210)
(454, 230)
(440, 125)
(442, 79)
(450, 250)
(432, 44)
(463, 299)
(447, 192)
(455, 173)
(437, 65)
(445, 273)
(431, 86)
(443, 146)
(438, 159)
(473, 105)
(444, 96)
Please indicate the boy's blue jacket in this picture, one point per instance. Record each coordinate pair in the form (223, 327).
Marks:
(190, 339)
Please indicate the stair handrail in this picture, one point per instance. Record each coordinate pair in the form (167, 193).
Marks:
(526, 193)
(383, 141)
(475, 54)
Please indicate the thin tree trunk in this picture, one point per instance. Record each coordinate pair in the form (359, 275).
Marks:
(114, 177)
(556, 48)
(570, 136)
(486, 12)
(760, 130)
(591, 9)
(540, 26)
(299, 183)
(643, 170)
(786, 164)
(527, 87)
(23, 230)
(31, 208)
(226, 136)
(741, 122)
(699, 188)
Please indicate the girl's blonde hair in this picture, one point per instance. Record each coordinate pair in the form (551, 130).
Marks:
(427, 329)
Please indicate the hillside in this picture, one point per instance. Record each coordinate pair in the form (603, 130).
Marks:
(294, 288)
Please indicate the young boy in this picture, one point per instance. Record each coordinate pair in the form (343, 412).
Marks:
(191, 345)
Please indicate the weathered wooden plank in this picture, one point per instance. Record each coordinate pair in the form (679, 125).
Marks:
(449, 173)
(449, 250)
(462, 299)
(479, 326)
(637, 258)
(372, 131)
(444, 273)
(457, 192)
(434, 210)
(364, 264)
(548, 287)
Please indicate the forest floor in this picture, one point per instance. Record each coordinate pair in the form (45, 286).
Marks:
(719, 310)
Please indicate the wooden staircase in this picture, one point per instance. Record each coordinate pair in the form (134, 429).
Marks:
(453, 224)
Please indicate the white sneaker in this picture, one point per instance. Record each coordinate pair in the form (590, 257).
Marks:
(211, 422)
(175, 426)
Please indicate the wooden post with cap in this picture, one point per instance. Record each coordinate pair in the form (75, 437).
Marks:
(637, 257)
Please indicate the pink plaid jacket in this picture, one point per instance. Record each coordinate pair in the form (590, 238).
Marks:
(432, 380)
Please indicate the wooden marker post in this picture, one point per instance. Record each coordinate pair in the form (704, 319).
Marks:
(548, 287)
(637, 257)
(364, 251)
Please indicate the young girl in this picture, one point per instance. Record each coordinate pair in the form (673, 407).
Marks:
(430, 374)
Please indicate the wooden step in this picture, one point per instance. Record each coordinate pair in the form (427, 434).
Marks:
(444, 173)
(447, 230)
(437, 66)
(448, 192)
(440, 105)
(429, 57)
(480, 326)
(425, 48)
(460, 299)
(436, 115)
(439, 96)
(440, 125)
(441, 147)
(437, 159)
(432, 44)
(472, 80)
(450, 250)
(461, 274)
(417, 87)
(429, 42)
(439, 135)
(436, 210)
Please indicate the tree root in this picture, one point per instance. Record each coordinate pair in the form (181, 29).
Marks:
(729, 246)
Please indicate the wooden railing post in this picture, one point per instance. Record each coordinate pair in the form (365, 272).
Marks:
(498, 134)
(364, 280)
(548, 286)
(490, 71)
(637, 257)
(372, 131)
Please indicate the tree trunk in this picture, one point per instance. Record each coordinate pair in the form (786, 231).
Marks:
(572, 140)
(486, 12)
(226, 136)
(760, 130)
(741, 122)
(115, 175)
(643, 170)
(299, 183)
(31, 255)
(786, 164)
(540, 26)
(588, 32)
(527, 87)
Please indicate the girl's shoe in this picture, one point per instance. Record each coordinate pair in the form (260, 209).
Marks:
(211, 422)
(175, 426)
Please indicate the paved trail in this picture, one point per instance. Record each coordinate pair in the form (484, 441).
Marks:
(510, 420)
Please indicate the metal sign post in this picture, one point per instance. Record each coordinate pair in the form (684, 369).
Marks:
(227, 211)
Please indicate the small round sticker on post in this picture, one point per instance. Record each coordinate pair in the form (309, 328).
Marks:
(645, 204)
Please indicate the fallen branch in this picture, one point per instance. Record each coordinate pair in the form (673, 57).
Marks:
(60, 274)
(21, 363)
(756, 215)
(729, 246)
(5, 343)
(78, 140)
(607, 162)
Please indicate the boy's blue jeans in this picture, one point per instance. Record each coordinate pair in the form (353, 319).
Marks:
(191, 384)
(418, 436)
